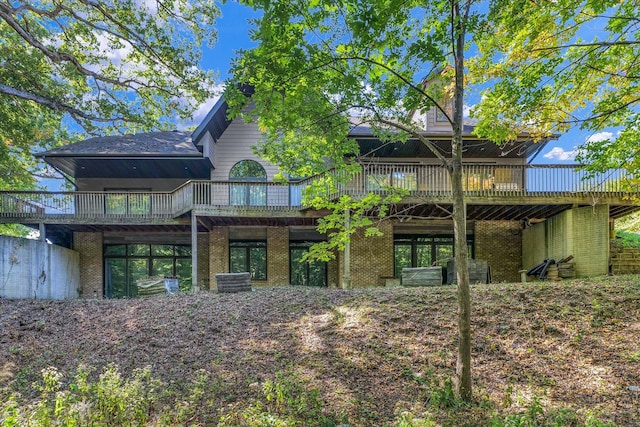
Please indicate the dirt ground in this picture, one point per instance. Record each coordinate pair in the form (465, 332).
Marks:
(370, 352)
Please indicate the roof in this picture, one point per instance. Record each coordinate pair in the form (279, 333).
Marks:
(217, 121)
(365, 130)
(473, 147)
(143, 155)
(156, 144)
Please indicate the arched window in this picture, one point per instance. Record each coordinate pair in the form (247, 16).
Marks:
(249, 193)
(247, 170)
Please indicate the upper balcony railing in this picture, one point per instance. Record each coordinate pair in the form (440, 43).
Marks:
(479, 180)
(490, 180)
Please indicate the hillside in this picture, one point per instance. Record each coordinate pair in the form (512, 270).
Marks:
(377, 356)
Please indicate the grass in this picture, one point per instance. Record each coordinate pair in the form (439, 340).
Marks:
(544, 354)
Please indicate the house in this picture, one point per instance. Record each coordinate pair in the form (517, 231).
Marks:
(193, 205)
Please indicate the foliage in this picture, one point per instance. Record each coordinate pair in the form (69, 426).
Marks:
(536, 414)
(321, 67)
(628, 239)
(286, 401)
(363, 214)
(111, 400)
(549, 66)
(108, 66)
(629, 223)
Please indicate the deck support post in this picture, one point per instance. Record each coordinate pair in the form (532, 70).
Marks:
(346, 279)
(43, 232)
(194, 253)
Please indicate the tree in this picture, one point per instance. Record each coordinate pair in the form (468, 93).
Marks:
(100, 66)
(319, 61)
(558, 64)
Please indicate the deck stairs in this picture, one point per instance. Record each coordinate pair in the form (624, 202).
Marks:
(624, 260)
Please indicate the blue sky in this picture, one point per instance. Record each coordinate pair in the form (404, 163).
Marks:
(233, 34)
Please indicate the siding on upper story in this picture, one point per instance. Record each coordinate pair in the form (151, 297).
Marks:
(234, 145)
(432, 125)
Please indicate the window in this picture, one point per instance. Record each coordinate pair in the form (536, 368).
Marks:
(249, 255)
(423, 251)
(303, 273)
(124, 264)
(249, 193)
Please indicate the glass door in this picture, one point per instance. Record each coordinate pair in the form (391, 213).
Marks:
(303, 273)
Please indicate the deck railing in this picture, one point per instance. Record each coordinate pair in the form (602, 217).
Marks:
(417, 179)
(489, 180)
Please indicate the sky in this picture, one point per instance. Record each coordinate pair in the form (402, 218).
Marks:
(233, 35)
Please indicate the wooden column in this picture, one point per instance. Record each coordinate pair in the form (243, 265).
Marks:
(346, 279)
(194, 253)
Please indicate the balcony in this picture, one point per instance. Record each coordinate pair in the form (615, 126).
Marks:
(483, 184)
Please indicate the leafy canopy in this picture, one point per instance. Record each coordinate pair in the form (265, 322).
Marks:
(322, 67)
(107, 65)
(319, 62)
(553, 65)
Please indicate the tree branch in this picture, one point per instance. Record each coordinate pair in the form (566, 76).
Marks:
(592, 44)
(55, 105)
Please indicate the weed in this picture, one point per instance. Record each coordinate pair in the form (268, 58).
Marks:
(535, 415)
(443, 394)
(633, 356)
(410, 420)
(286, 401)
(110, 401)
(603, 313)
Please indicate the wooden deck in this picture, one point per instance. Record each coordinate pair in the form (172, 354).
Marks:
(485, 185)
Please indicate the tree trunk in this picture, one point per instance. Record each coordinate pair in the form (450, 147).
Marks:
(463, 365)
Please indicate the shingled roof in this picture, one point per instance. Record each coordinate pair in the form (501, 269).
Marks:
(156, 144)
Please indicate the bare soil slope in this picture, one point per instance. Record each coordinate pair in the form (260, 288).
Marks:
(371, 353)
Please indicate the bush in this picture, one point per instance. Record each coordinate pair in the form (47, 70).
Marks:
(109, 401)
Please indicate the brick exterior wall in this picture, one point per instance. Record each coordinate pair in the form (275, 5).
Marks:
(218, 253)
(500, 244)
(277, 256)
(89, 246)
(203, 261)
(371, 257)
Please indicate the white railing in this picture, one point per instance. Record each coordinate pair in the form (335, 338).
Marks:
(417, 179)
(489, 180)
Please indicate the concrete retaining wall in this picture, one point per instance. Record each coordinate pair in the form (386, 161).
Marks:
(34, 269)
(581, 232)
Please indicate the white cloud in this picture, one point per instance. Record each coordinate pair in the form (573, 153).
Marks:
(600, 136)
(559, 153)
(201, 112)
(466, 110)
